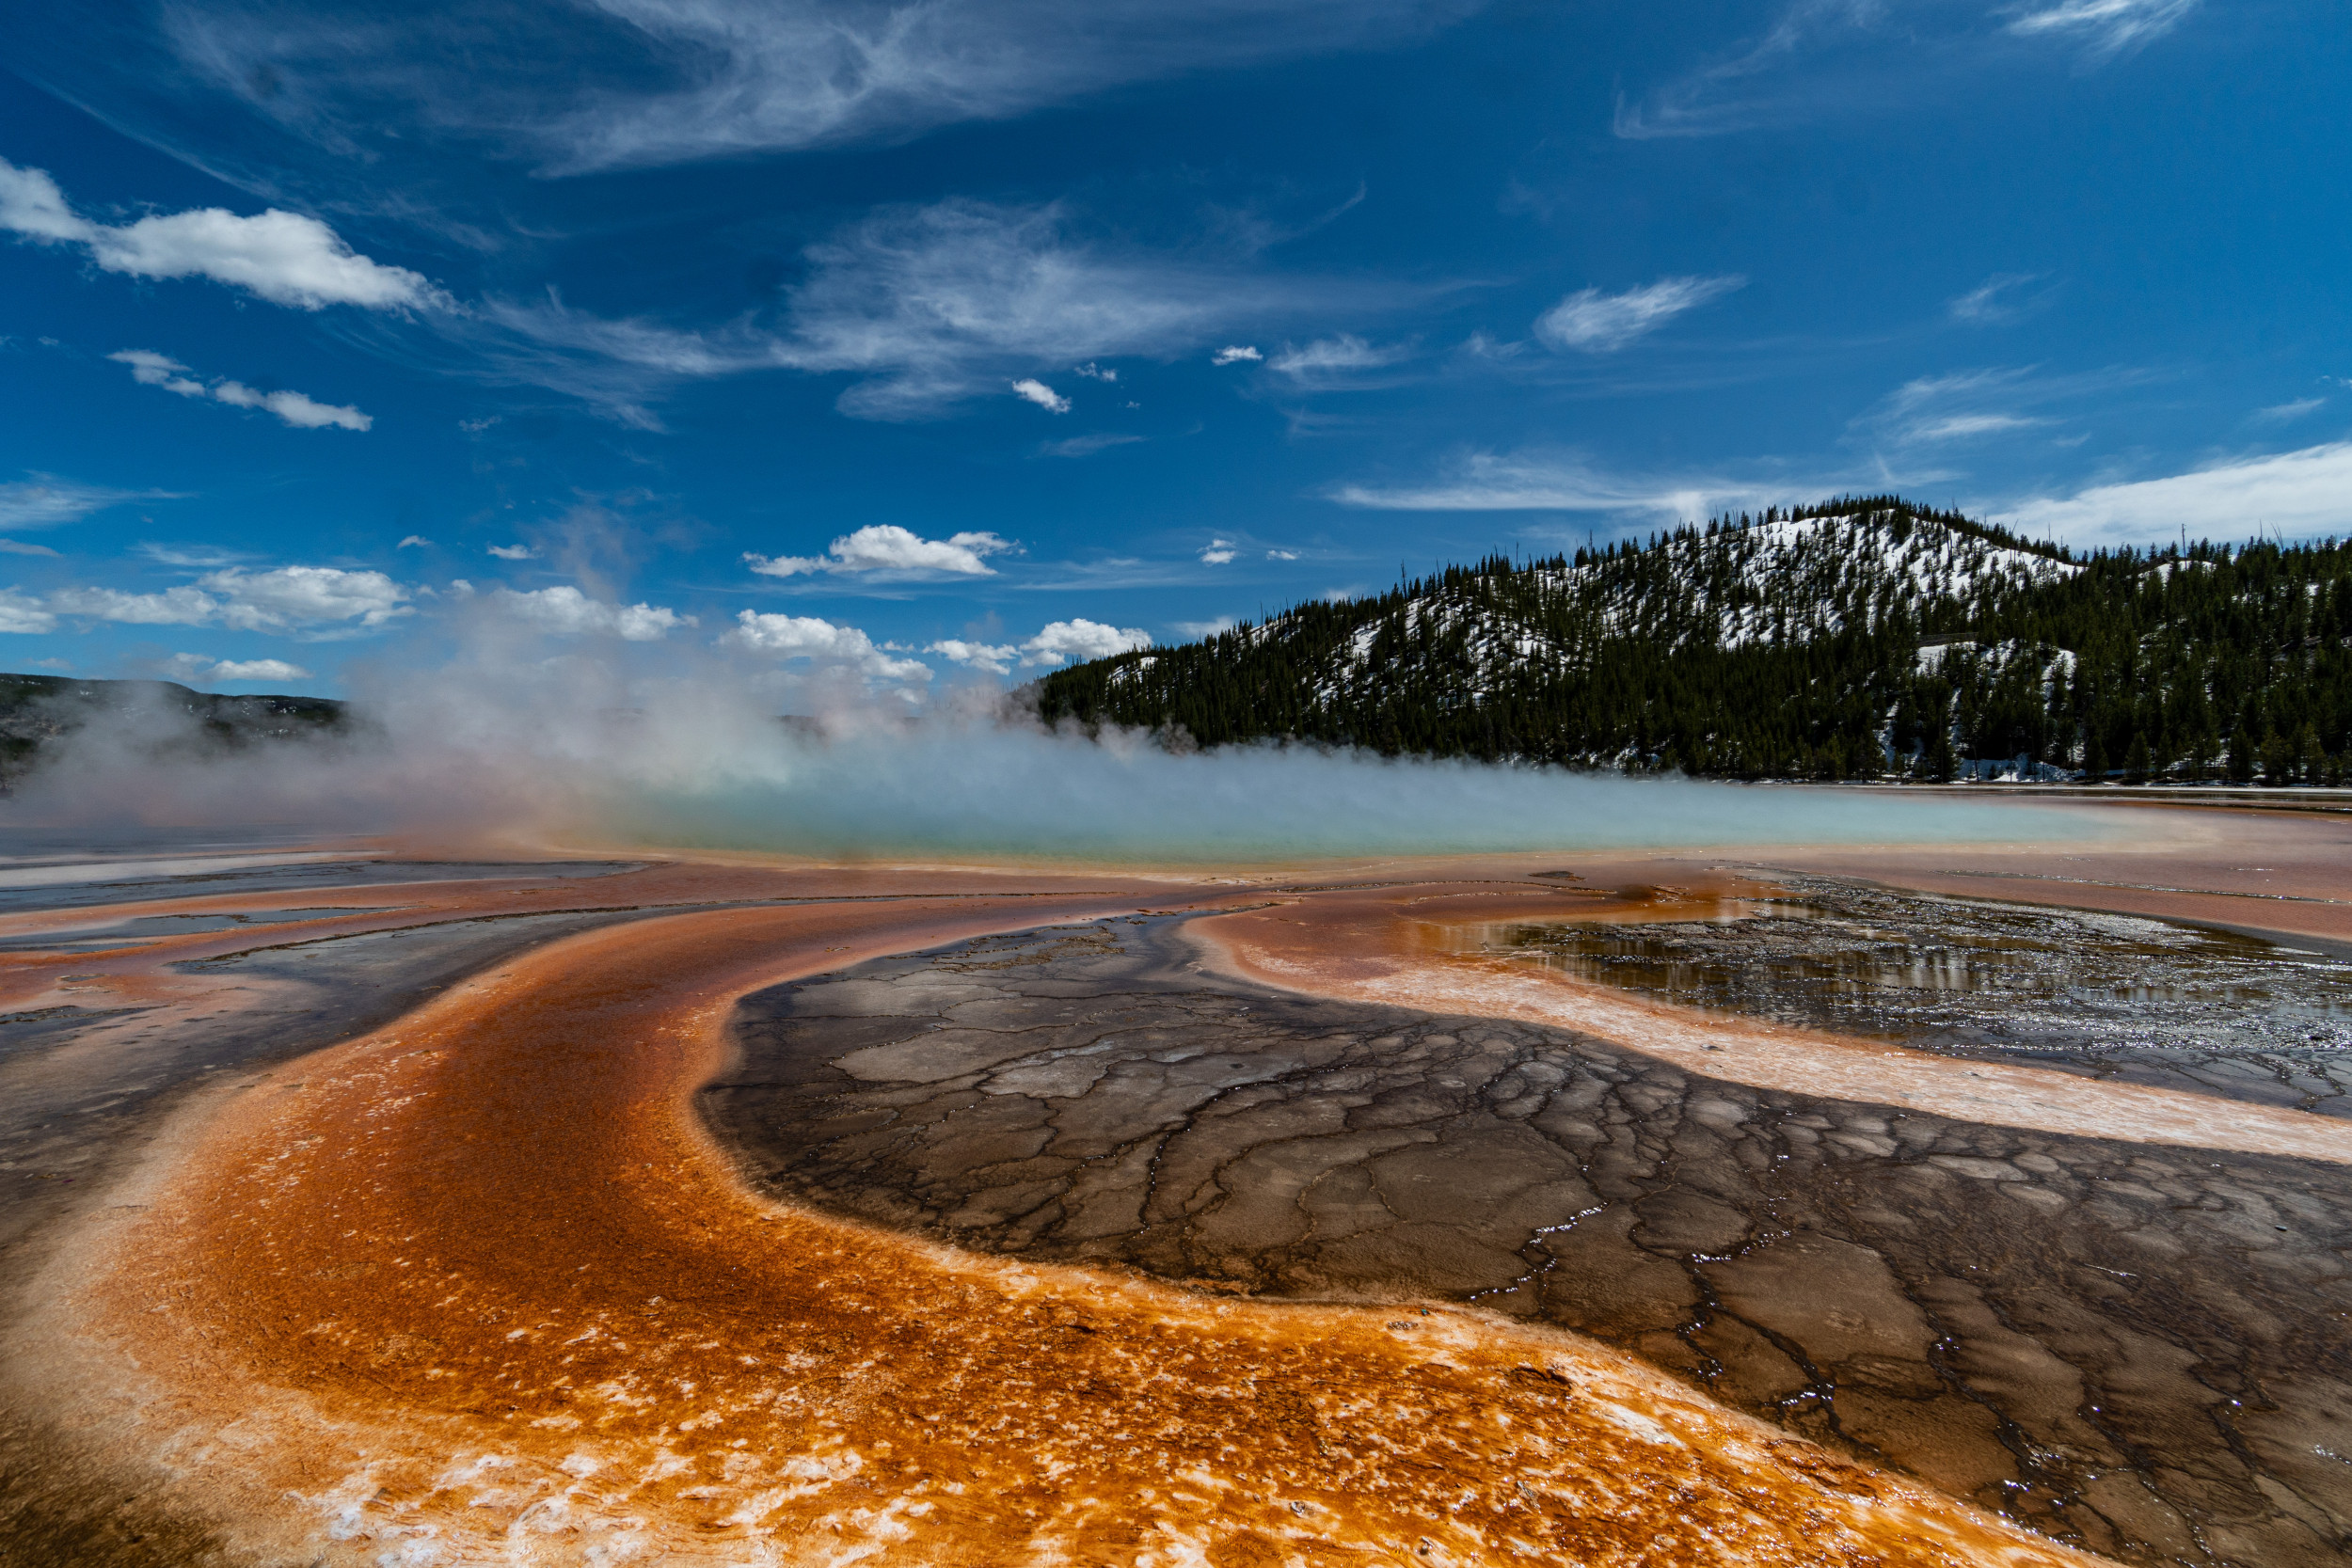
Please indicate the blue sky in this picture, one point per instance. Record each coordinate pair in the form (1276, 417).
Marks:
(889, 348)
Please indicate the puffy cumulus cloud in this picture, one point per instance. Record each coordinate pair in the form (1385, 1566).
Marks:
(200, 670)
(2108, 26)
(565, 611)
(822, 641)
(1030, 389)
(1060, 642)
(297, 596)
(1596, 323)
(315, 600)
(285, 258)
(1057, 643)
(21, 612)
(995, 657)
(150, 369)
(887, 551)
(1219, 552)
(44, 500)
(2304, 492)
(506, 552)
(1235, 353)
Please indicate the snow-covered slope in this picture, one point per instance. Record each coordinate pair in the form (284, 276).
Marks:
(1776, 580)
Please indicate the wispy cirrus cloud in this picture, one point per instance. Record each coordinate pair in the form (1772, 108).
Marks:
(2300, 493)
(1998, 298)
(922, 308)
(1824, 56)
(301, 412)
(1591, 321)
(610, 83)
(1962, 405)
(1339, 362)
(44, 500)
(1541, 481)
(285, 258)
(2107, 26)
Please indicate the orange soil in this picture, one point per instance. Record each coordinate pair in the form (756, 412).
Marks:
(1404, 946)
(478, 1286)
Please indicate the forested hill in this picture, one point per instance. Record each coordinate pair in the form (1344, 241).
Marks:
(37, 711)
(1842, 640)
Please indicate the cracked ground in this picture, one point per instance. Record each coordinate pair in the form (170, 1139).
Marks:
(2141, 1351)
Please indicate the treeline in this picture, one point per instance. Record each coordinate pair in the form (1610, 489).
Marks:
(38, 711)
(1846, 639)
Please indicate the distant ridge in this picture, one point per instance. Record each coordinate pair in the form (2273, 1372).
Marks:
(1855, 637)
(36, 711)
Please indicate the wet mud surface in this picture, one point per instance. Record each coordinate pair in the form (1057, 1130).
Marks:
(2106, 995)
(2143, 1351)
(95, 885)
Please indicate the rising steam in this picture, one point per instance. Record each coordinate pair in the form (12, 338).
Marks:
(570, 752)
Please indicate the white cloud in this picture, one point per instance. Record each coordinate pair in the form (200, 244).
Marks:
(1032, 390)
(1598, 323)
(1200, 630)
(199, 670)
(17, 546)
(414, 541)
(808, 636)
(284, 258)
(2293, 493)
(2111, 26)
(1994, 300)
(1935, 410)
(1336, 361)
(1281, 555)
(2287, 413)
(1235, 353)
(1551, 482)
(566, 611)
(925, 303)
(1093, 372)
(1059, 641)
(44, 500)
(1961, 427)
(1056, 644)
(1087, 445)
(511, 553)
(1219, 552)
(887, 551)
(174, 607)
(289, 598)
(994, 657)
(922, 308)
(718, 77)
(21, 612)
(150, 369)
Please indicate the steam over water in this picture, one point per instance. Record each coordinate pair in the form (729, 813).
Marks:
(706, 764)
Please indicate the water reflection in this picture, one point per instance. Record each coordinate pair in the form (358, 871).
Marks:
(1958, 974)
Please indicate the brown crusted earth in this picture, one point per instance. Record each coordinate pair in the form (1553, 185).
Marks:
(476, 1284)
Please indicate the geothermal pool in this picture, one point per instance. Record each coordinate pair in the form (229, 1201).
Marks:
(1976, 1203)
